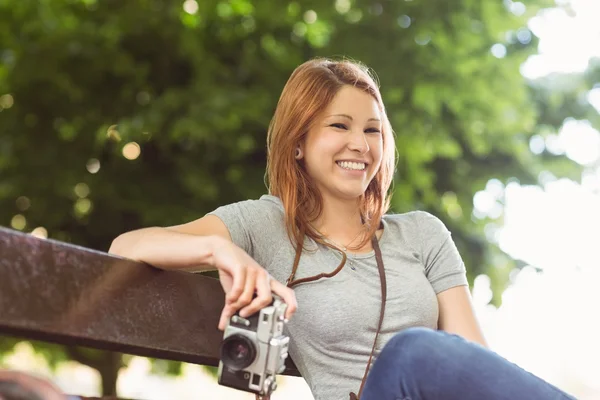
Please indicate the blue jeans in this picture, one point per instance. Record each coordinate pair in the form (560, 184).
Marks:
(424, 364)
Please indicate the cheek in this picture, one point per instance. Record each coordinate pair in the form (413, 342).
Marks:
(376, 146)
(325, 144)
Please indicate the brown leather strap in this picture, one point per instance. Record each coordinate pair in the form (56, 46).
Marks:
(381, 269)
(290, 282)
(379, 259)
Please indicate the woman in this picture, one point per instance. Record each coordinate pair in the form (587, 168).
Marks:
(331, 157)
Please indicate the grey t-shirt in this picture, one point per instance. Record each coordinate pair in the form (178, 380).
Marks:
(332, 332)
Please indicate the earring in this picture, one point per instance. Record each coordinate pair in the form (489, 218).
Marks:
(298, 154)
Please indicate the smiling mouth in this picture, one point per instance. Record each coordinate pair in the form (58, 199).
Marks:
(352, 166)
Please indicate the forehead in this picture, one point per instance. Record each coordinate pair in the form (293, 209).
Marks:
(354, 102)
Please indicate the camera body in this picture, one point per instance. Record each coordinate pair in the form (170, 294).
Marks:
(254, 350)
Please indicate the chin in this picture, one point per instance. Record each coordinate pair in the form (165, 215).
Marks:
(351, 194)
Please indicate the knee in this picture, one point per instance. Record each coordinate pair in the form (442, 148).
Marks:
(412, 338)
(413, 346)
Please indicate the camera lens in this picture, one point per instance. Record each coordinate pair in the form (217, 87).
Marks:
(237, 352)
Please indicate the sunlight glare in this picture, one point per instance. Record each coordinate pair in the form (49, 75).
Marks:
(566, 42)
(593, 97)
(581, 141)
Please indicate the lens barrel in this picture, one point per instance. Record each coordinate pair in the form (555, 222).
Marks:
(237, 352)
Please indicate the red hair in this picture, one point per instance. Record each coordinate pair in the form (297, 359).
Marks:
(309, 90)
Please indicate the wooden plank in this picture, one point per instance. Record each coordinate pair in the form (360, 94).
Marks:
(61, 293)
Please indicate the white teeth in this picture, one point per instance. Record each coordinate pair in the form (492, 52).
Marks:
(352, 165)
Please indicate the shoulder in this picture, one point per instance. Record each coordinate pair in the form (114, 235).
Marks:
(418, 221)
(252, 215)
(271, 202)
(256, 226)
(267, 202)
(265, 205)
(419, 229)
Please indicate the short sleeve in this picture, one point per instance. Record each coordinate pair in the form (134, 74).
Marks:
(444, 266)
(255, 226)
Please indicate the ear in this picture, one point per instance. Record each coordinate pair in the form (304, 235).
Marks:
(299, 152)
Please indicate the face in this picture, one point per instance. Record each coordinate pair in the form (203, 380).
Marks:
(342, 151)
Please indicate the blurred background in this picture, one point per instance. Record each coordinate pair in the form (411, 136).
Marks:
(116, 115)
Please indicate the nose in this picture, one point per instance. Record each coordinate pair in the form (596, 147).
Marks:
(358, 142)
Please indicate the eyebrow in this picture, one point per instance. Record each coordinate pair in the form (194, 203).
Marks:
(350, 118)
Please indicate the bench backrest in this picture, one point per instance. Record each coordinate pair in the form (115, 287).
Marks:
(66, 294)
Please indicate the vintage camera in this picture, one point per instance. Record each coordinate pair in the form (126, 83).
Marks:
(254, 350)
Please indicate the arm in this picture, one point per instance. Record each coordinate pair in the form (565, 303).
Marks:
(187, 247)
(457, 315)
(202, 245)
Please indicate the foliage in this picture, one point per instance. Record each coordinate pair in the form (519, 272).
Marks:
(82, 80)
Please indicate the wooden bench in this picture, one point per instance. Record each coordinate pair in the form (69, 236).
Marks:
(66, 294)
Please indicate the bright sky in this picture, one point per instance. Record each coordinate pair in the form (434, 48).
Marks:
(567, 41)
(549, 323)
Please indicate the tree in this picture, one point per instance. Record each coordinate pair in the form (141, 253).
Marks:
(122, 114)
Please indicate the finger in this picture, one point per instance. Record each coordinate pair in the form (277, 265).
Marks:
(249, 286)
(226, 313)
(287, 295)
(263, 297)
(237, 288)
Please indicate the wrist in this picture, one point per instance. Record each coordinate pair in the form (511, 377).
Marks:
(205, 248)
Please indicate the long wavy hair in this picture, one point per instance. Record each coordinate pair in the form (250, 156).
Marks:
(309, 90)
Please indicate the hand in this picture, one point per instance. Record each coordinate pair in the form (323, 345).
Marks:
(242, 277)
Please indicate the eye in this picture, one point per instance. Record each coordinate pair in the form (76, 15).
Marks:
(339, 126)
(373, 130)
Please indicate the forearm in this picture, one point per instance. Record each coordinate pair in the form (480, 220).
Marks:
(166, 249)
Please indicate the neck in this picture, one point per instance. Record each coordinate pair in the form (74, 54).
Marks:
(340, 221)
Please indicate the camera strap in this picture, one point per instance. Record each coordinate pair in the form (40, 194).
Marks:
(379, 259)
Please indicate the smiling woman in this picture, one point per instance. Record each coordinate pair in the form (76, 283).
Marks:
(404, 300)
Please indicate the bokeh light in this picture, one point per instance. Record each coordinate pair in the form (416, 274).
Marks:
(354, 16)
(112, 133)
(6, 101)
(310, 17)
(40, 232)
(516, 7)
(342, 6)
(82, 207)
(23, 203)
(581, 141)
(81, 190)
(404, 21)
(131, 151)
(537, 144)
(451, 205)
(299, 29)
(93, 165)
(18, 222)
(423, 39)
(190, 6)
(498, 50)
